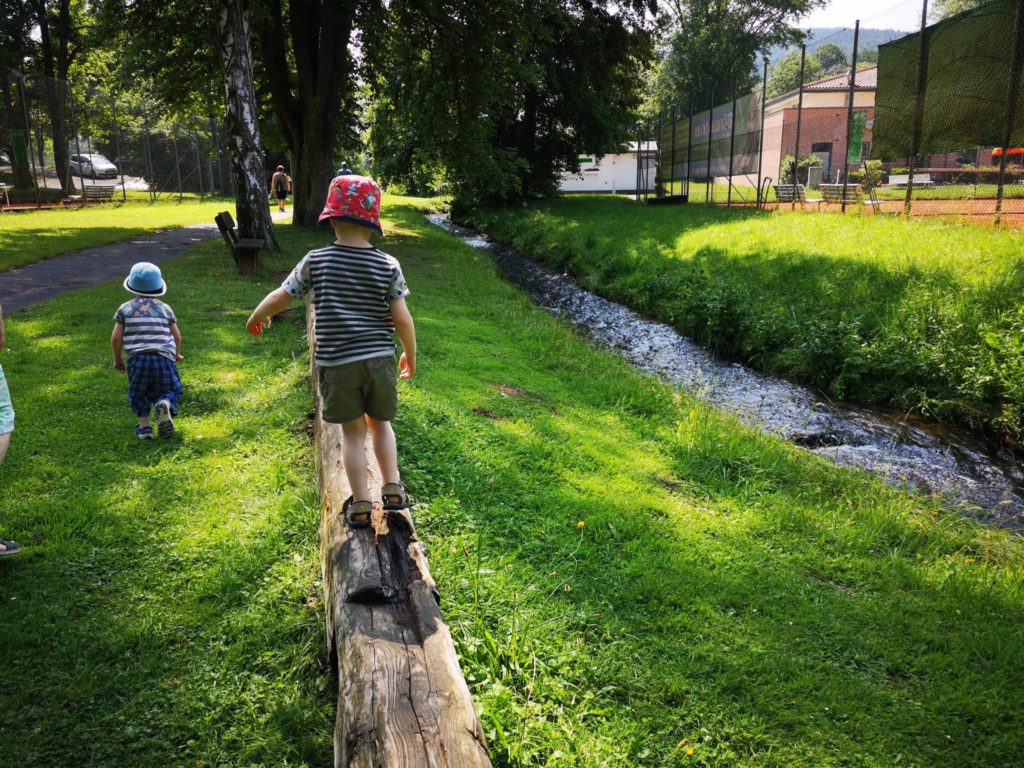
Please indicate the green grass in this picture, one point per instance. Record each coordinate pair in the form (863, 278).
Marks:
(726, 592)
(31, 236)
(919, 315)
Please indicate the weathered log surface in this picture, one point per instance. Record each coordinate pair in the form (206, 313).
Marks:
(402, 699)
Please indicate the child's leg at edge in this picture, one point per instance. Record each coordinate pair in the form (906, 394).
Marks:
(5, 441)
(354, 456)
(385, 447)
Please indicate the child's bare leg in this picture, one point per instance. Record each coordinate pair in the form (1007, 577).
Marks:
(144, 421)
(385, 448)
(354, 455)
(5, 440)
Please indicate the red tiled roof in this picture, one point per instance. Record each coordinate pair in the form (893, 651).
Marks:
(866, 78)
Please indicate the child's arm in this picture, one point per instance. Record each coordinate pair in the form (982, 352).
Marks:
(117, 345)
(406, 331)
(276, 301)
(178, 357)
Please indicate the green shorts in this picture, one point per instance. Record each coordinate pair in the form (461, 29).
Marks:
(6, 409)
(366, 386)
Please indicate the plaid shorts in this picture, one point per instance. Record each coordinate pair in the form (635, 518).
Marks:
(6, 409)
(152, 378)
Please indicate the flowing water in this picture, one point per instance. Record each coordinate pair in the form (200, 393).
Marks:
(924, 457)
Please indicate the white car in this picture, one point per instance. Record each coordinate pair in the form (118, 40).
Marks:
(93, 166)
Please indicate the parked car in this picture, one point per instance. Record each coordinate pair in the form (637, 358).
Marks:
(93, 166)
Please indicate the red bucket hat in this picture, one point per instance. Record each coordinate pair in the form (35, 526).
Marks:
(355, 199)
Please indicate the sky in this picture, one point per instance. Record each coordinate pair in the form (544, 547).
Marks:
(887, 14)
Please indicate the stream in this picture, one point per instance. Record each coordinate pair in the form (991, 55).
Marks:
(911, 454)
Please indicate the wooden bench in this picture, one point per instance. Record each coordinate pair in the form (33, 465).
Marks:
(97, 193)
(833, 193)
(902, 179)
(786, 193)
(245, 250)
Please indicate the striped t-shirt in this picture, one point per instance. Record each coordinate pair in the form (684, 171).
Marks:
(352, 291)
(147, 327)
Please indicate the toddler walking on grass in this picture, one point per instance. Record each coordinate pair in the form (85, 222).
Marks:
(359, 294)
(146, 334)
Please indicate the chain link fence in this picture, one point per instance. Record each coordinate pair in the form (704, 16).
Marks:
(903, 113)
(60, 145)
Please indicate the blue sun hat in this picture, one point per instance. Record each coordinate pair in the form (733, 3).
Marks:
(145, 280)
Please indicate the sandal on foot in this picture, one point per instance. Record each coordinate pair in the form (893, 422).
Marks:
(358, 514)
(395, 496)
(144, 433)
(164, 422)
(10, 548)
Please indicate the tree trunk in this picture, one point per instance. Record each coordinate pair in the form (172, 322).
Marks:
(247, 169)
(402, 699)
(311, 106)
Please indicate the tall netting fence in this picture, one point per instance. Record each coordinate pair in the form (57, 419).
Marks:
(905, 112)
(59, 146)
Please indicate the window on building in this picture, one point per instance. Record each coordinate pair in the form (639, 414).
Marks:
(822, 146)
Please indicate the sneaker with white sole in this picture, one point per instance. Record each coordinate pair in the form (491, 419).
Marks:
(144, 432)
(164, 423)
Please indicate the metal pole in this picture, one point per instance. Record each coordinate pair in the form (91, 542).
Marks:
(922, 83)
(639, 143)
(177, 167)
(199, 164)
(657, 166)
(672, 166)
(689, 142)
(760, 142)
(849, 112)
(150, 177)
(1016, 64)
(732, 143)
(28, 135)
(117, 149)
(78, 146)
(799, 122)
(711, 124)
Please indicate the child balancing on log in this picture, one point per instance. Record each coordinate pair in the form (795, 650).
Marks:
(359, 294)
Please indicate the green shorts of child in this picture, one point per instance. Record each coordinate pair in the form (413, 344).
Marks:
(6, 409)
(365, 386)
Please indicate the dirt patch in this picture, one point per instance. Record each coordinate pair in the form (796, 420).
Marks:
(486, 413)
(507, 390)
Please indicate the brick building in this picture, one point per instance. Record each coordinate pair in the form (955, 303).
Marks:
(822, 124)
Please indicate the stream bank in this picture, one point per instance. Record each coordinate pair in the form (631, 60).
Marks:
(916, 455)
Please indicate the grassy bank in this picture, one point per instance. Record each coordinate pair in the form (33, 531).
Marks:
(31, 236)
(631, 579)
(922, 316)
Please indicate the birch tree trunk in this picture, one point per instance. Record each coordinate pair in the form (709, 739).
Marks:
(243, 128)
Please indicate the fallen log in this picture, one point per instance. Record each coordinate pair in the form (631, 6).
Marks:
(402, 699)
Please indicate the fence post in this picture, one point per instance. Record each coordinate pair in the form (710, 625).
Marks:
(78, 146)
(151, 172)
(799, 121)
(639, 159)
(760, 141)
(849, 112)
(708, 191)
(689, 142)
(1016, 62)
(732, 144)
(28, 136)
(922, 84)
(117, 148)
(672, 162)
(199, 164)
(177, 165)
